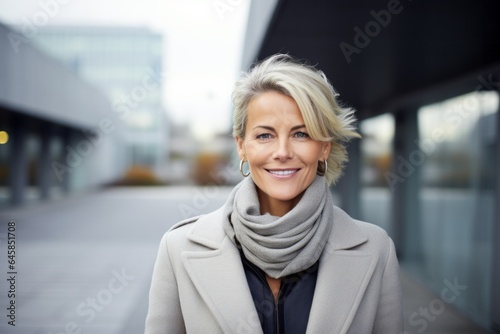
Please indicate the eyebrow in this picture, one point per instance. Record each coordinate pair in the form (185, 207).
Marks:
(267, 127)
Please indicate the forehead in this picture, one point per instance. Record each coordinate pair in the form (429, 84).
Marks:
(273, 108)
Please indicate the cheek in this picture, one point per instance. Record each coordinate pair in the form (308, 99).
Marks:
(257, 151)
(249, 153)
(248, 150)
(312, 154)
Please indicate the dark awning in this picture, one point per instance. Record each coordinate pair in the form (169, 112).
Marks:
(379, 53)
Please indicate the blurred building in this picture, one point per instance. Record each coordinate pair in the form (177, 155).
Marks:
(57, 131)
(126, 64)
(424, 78)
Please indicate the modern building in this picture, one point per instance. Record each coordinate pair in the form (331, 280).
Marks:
(57, 131)
(424, 77)
(125, 63)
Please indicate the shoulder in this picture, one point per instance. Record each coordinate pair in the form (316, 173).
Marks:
(183, 225)
(353, 233)
(374, 232)
(206, 230)
(379, 243)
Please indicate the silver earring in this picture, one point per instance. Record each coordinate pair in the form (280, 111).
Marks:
(323, 173)
(241, 169)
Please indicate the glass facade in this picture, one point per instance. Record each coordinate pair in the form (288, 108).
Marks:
(376, 157)
(126, 65)
(450, 241)
(457, 197)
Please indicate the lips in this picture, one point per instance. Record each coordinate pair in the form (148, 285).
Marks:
(283, 172)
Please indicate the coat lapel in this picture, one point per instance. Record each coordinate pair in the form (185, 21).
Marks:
(218, 275)
(343, 276)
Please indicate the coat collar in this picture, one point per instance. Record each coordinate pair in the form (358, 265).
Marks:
(217, 273)
(345, 233)
(209, 231)
(343, 276)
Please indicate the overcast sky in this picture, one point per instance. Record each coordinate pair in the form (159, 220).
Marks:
(202, 46)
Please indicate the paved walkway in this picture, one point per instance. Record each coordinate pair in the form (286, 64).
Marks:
(84, 263)
(425, 314)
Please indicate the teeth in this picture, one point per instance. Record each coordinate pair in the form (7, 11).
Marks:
(282, 172)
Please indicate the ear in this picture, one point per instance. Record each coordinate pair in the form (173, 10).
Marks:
(325, 152)
(240, 147)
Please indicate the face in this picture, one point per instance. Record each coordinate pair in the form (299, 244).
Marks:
(283, 159)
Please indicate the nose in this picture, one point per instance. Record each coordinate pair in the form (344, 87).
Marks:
(283, 150)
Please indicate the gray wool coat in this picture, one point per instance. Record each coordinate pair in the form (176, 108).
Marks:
(199, 285)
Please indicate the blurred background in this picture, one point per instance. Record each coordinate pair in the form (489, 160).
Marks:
(124, 105)
(158, 74)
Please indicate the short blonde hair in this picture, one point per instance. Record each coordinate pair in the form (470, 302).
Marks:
(324, 118)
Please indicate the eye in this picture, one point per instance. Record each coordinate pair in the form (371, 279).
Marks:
(264, 136)
(301, 134)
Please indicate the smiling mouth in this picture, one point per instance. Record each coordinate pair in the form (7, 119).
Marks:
(283, 173)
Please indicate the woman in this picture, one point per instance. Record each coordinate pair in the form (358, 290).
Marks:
(279, 257)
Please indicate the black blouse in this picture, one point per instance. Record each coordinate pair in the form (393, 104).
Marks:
(291, 313)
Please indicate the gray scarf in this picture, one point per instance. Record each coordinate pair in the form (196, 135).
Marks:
(280, 246)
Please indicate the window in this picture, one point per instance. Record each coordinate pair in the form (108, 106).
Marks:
(376, 155)
(456, 197)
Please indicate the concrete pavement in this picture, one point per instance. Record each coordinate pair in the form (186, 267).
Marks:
(84, 263)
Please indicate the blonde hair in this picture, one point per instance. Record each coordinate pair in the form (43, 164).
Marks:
(324, 118)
